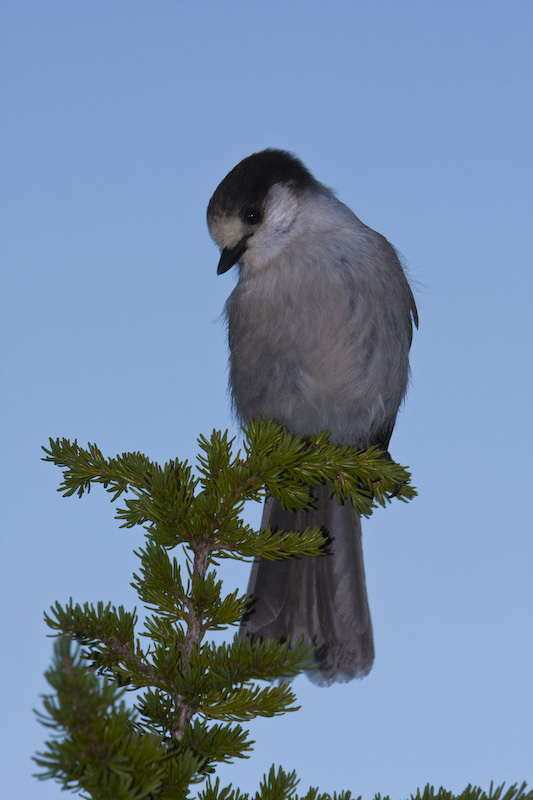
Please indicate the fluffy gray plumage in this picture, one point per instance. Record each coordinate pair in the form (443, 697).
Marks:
(320, 326)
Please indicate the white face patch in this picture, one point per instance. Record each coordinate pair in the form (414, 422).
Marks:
(267, 239)
(227, 231)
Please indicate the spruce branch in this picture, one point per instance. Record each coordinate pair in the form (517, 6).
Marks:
(187, 695)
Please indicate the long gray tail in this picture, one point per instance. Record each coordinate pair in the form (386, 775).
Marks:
(322, 598)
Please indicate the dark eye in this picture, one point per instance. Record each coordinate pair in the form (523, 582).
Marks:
(252, 216)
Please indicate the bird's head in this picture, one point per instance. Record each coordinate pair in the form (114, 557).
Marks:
(254, 210)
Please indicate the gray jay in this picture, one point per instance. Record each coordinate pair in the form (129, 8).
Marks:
(319, 325)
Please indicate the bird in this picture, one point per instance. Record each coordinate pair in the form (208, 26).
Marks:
(320, 325)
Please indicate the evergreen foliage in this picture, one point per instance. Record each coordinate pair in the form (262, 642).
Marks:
(187, 695)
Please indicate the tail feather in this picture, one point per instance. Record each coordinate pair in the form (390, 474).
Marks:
(322, 598)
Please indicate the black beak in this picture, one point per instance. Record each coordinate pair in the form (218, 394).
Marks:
(230, 257)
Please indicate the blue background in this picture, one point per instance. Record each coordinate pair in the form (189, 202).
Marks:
(119, 120)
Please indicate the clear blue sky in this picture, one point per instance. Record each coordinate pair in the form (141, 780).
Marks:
(119, 120)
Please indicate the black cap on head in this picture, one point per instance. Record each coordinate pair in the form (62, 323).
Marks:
(249, 182)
